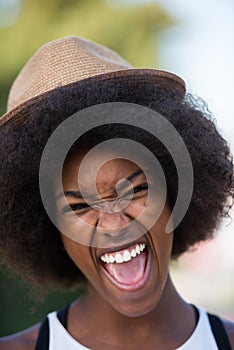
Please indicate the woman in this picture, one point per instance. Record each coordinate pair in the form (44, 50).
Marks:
(102, 235)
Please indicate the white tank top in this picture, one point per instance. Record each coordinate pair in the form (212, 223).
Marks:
(202, 337)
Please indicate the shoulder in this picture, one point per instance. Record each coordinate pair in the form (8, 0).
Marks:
(25, 340)
(229, 327)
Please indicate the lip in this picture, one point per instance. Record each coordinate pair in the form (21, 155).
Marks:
(140, 284)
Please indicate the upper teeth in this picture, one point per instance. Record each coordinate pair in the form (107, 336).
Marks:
(123, 255)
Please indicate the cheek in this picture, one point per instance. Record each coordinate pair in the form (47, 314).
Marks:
(162, 244)
(148, 214)
(135, 207)
(78, 230)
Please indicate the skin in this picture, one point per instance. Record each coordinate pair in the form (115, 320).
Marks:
(154, 316)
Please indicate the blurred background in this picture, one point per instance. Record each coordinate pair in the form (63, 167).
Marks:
(193, 39)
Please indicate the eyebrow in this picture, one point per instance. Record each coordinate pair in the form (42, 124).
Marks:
(134, 175)
(130, 178)
(78, 195)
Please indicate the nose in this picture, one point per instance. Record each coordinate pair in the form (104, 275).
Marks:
(110, 221)
(113, 225)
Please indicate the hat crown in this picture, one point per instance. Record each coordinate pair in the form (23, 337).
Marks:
(61, 62)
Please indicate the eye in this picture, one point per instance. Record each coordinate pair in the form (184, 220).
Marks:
(77, 207)
(140, 188)
(137, 189)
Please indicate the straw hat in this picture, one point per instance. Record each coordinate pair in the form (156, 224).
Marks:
(74, 60)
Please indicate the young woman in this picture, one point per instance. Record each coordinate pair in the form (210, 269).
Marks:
(101, 235)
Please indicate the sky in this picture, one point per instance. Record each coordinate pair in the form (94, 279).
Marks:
(201, 50)
(11, 8)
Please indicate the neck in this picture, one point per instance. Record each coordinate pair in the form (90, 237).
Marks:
(171, 315)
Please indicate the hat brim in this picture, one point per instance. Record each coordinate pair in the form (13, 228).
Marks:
(129, 77)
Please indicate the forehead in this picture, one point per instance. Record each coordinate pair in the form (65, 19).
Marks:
(104, 167)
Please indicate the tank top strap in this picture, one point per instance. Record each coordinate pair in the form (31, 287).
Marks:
(216, 325)
(43, 337)
(62, 315)
(44, 332)
(219, 332)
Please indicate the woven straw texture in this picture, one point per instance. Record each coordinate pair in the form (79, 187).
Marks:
(73, 59)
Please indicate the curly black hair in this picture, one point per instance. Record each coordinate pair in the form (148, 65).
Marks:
(31, 244)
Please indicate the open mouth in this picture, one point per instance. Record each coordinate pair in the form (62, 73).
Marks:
(127, 268)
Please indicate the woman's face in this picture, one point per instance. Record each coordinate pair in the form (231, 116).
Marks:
(126, 268)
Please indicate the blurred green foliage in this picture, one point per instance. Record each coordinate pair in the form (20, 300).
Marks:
(18, 310)
(130, 30)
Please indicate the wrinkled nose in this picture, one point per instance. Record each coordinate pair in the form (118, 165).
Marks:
(112, 221)
(113, 226)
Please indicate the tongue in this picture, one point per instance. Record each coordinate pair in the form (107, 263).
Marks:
(130, 272)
